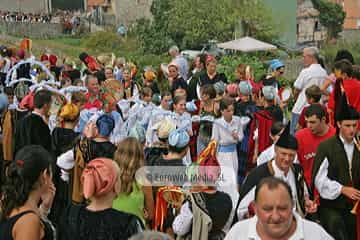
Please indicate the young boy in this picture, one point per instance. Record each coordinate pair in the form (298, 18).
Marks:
(313, 96)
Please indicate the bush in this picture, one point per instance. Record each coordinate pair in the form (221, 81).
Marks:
(329, 51)
(229, 63)
(104, 42)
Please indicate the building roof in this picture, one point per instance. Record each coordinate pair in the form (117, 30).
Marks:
(97, 3)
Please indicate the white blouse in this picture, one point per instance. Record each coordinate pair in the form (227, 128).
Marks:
(222, 130)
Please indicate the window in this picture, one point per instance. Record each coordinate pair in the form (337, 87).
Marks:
(317, 26)
(297, 29)
(358, 23)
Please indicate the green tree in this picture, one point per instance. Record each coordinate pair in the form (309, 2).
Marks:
(193, 22)
(190, 23)
(332, 16)
(153, 35)
(255, 19)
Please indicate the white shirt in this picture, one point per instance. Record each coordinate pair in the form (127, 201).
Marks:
(312, 75)
(305, 230)
(66, 162)
(331, 189)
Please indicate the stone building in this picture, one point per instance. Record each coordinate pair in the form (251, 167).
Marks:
(309, 29)
(120, 12)
(26, 6)
(352, 10)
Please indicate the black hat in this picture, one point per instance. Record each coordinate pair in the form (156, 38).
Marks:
(344, 111)
(287, 140)
(83, 56)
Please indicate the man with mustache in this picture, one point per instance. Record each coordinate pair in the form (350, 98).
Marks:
(274, 217)
(282, 166)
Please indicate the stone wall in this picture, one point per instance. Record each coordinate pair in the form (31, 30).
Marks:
(128, 11)
(351, 35)
(32, 30)
(292, 68)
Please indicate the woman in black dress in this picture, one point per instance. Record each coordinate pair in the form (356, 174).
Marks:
(64, 139)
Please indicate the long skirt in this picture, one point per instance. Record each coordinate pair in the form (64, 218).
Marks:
(228, 160)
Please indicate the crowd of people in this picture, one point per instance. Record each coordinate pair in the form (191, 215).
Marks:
(69, 20)
(75, 140)
(24, 17)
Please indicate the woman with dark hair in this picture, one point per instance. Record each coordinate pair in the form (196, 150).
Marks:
(208, 107)
(211, 76)
(175, 79)
(28, 181)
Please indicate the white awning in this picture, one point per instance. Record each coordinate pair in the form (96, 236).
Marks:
(247, 44)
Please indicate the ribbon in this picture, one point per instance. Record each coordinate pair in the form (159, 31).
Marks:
(162, 206)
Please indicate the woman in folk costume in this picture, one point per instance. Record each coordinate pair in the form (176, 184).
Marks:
(96, 143)
(244, 108)
(64, 138)
(336, 175)
(200, 216)
(227, 132)
(98, 220)
(208, 107)
(157, 115)
(182, 120)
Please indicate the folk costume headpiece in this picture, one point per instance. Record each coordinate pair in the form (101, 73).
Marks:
(287, 140)
(344, 111)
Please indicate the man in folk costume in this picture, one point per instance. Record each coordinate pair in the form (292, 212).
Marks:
(336, 175)
(34, 129)
(10, 118)
(282, 167)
